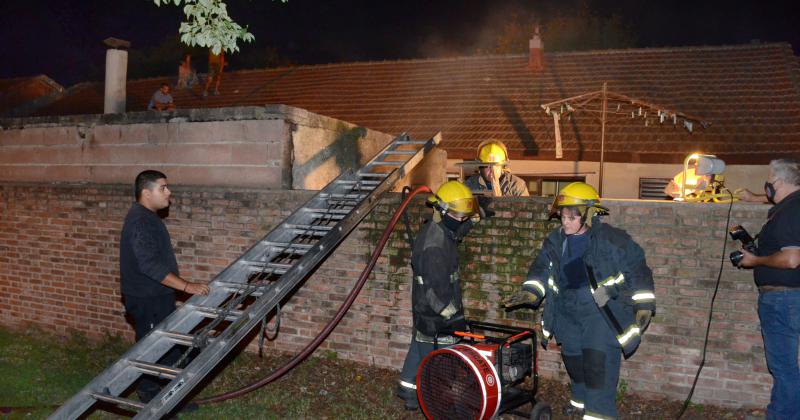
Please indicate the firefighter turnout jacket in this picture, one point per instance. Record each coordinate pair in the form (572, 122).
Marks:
(436, 290)
(615, 262)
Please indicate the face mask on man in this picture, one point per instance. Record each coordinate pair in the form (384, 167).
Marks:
(451, 223)
(769, 189)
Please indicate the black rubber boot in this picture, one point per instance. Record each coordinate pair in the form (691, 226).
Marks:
(409, 398)
(573, 412)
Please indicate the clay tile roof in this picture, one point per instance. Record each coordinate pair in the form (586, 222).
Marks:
(749, 93)
(17, 91)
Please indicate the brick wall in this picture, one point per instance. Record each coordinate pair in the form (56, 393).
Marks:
(58, 259)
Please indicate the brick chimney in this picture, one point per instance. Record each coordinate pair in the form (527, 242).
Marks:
(536, 56)
(116, 76)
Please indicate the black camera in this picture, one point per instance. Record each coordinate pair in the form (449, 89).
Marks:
(738, 233)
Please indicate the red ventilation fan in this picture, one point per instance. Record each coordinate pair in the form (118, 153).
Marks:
(481, 377)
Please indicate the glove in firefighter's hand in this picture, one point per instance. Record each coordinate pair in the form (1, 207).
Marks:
(521, 298)
(601, 296)
(643, 318)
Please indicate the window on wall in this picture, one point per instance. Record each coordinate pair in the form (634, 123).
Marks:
(653, 188)
(549, 186)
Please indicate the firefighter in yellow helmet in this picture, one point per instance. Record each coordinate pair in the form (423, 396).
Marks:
(599, 294)
(493, 177)
(436, 288)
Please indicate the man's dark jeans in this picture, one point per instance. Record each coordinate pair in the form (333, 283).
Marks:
(779, 312)
(147, 312)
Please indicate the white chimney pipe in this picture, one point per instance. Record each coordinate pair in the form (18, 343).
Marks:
(116, 76)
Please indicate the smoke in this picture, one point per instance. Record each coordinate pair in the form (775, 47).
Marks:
(479, 31)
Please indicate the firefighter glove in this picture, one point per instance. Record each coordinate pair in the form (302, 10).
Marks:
(522, 297)
(601, 296)
(448, 311)
(643, 318)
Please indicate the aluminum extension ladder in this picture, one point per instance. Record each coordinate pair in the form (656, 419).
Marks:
(260, 278)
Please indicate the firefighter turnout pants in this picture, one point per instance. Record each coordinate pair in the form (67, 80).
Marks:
(591, 354)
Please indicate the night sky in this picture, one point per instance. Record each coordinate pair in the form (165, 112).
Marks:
(63, 39)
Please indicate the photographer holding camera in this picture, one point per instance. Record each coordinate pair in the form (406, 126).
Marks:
(777, 275)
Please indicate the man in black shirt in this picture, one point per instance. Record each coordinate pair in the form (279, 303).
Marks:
(148, 268)
(777, 275)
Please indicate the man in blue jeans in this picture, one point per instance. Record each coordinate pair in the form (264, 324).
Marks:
(777, 275)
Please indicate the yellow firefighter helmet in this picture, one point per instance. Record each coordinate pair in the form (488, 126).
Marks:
(454, 198)
(581, 195)
(493, 152)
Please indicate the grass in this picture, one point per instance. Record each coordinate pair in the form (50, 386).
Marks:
(41, 370)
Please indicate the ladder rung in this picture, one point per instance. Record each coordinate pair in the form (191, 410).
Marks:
(419, 142)
(386, 163)
(350, 203)
(317, 230)
(232, 314)
(275, 268)
(155, 369)
(178, 338)
(286, 245)
(342, 196)
(258, 267)
(117, 400)
(242, 288)
(364, 187)
(327, 216)
(372, 175)
(289, 247)
(401, 152)
(343, 212)
(358, 181)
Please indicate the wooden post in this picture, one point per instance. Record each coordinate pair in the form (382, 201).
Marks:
(603, 137)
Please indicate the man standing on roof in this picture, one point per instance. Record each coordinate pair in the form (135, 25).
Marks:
(216, 63)
(599, 298)
(187, 75)
(436, 286)
(493, 177)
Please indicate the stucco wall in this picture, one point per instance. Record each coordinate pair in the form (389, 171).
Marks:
(263, 147)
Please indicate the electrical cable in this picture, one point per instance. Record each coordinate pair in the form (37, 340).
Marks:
(291, 364)
(711, 310)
